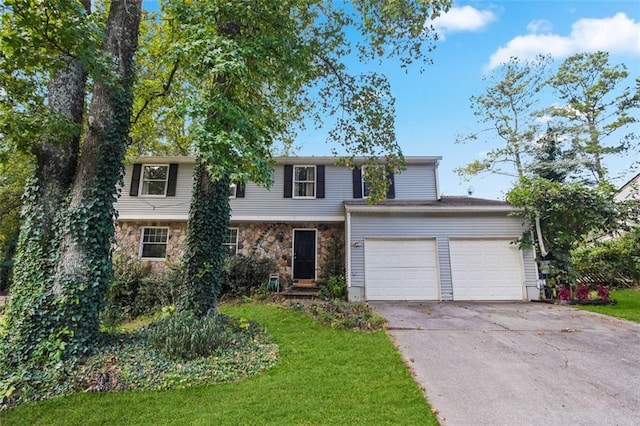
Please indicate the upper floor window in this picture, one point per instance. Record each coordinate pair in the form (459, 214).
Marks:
(153, 245)
(233, 190)
(154, 180)
(304, 181)
(366, 179)
(231, 241)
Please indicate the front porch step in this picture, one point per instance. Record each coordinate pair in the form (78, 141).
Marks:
(301, 292)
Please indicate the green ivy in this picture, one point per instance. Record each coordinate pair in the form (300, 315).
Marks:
(209, 216)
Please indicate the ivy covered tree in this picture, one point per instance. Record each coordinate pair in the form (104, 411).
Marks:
(63, 262)
(250, 75)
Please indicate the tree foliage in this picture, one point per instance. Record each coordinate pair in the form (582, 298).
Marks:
(509, 106)
(589, 111)
(63, 262)
(568, 213)
(594, 109)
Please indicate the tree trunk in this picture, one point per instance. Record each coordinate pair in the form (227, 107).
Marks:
(209, 215)
(84, 265)
(45, 201)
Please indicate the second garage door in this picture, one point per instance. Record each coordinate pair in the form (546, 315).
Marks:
(490, 269)
(401, 269)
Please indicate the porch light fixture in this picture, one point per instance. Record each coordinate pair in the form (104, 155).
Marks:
(356, 244)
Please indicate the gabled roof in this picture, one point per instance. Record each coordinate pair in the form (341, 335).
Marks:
(633, 181)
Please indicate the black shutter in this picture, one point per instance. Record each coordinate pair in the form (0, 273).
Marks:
(288, 181)
(135, 180)
(357, 183)
(240, 190)
(320, 181)
(172, 181)
(391, 192)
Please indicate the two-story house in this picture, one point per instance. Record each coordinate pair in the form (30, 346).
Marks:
(416, 245)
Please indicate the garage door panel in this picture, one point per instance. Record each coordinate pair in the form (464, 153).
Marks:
(401, 270)
(486, 270)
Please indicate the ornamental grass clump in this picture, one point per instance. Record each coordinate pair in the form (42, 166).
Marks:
(184, 336)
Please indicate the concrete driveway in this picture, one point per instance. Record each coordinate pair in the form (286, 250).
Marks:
(519, 363)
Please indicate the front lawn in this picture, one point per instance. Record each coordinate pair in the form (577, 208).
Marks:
(628, 306)
(324, 376)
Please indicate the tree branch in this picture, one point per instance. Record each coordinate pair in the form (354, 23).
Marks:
(166, 88)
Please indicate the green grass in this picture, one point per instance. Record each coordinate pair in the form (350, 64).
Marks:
(628, 306)
(324, 376)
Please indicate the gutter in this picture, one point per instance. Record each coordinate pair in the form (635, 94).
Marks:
(429, 209)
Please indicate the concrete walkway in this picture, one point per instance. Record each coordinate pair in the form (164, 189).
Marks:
(520, 363)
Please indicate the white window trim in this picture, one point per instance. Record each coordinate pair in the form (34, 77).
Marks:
(294, 181)
(233, 190)
(142, 243)
(237, 239)
(142, 180)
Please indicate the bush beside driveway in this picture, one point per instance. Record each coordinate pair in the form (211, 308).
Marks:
(520, 363)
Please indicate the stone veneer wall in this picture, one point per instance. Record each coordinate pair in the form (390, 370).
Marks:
(273, 240)
(128, 235)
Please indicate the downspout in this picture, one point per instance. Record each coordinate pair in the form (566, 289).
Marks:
(347, 245)
(543, 250)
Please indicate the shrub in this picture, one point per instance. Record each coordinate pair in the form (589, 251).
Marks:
(184, 336)
(334, 288)
(135, 290)
(243, 275)
(582, 292)
(603, 292)
(611, 259)
(333, 260)
(342, 315)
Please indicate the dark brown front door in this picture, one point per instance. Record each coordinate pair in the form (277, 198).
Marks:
(304, 254)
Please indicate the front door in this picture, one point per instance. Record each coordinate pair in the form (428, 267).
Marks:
(304, 254)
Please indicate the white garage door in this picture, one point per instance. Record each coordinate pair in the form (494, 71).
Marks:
(486, 270)
(401, 270)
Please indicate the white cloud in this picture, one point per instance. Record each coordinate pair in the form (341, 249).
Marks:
(617, 34)
(539, 26)
(460, 19)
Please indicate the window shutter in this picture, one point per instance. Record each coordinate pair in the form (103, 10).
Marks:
(172, 181)
(391, 192)
(357, 183)
(320, 181)
(288, 181)
(240, 190)
(135, 180)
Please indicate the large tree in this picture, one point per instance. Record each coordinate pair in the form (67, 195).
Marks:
(63, 262)
(248, 71)
(249, 75)
(595, 109)
(510, 107)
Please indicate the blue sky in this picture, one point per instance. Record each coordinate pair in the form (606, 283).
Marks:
(433, 107)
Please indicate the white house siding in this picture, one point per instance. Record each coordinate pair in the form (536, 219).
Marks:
(433, 225)
(157, 208)
(418, 181)
(261, 204)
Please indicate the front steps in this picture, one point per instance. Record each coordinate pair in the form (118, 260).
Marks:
(302, 289)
